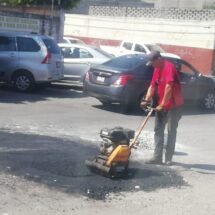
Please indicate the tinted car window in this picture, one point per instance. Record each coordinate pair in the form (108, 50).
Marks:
(183, 67)
(7, 43)
(27, 44)
(144, 72)
(154, 48)
(139, 48)
(85, 54)
(73, 41)
(51, 46)
(187, 69)
(102, 52)
(186, 72)
(66, 52)
(125, 62)
(70, 52)
(127, 45)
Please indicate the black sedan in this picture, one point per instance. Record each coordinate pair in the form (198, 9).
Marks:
(125, 80)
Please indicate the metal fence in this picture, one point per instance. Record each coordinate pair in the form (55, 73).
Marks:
(153, 13)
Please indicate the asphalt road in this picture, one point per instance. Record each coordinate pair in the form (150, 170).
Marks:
(45, 137)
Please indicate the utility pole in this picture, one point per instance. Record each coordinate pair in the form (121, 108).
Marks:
(59, 3)
(51, 18)
(61, 24)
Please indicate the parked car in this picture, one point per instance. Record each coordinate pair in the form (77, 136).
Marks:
(29, 59)
(78, 59)
(72, 40)
(125, 80)
(136, 47)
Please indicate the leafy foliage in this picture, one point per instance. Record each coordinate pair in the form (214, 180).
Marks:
(210, 6)
(61, 3)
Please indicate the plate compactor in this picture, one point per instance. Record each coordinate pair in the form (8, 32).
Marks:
(115, 150)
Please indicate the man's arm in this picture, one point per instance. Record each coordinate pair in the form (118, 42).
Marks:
(167, 96)
(150, 93)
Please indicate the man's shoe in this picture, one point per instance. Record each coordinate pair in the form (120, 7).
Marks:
(169, 163)
(153, 161)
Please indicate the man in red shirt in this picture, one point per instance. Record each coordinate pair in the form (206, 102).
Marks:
(166, 85)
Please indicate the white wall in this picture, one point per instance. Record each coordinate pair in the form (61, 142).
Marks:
(198, 34)
(198, 4)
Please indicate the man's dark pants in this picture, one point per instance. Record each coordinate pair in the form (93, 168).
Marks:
(171, 118)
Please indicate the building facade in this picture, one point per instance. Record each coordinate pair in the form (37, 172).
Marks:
(41, 20)
(189, 33)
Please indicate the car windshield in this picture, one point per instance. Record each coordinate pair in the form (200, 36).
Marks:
(153, 47)
(75, 41)
(102, 52)
(125, 62)
(51, 46)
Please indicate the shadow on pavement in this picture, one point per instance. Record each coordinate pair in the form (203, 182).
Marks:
(186, 110)
(202, 168)
(59, 164)
(60, 90)
(9, 95)
(177, 153)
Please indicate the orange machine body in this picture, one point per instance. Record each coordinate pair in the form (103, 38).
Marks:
(120, 154)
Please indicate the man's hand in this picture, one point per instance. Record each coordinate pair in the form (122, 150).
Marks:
(144, 104)
(159, 108)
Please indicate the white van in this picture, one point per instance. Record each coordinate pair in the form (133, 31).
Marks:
(128, 47)
(134, 47)
(72, 40)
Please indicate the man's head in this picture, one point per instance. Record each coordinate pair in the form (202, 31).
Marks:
(154, 59)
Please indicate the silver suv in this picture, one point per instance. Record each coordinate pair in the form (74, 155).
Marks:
(29, 59)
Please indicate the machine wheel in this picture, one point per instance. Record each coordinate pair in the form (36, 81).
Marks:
(208, 102)
(23, 81)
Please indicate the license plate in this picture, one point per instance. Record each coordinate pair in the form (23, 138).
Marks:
(100, 79)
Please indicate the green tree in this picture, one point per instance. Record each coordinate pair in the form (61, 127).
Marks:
(66, 4)
(210, 6)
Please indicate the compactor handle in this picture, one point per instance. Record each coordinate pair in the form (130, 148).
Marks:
(139, 130)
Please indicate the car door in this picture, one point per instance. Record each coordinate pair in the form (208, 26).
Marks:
(8, 57)
(56, 67)
(30, 56)
(189, 80)
(77, 62)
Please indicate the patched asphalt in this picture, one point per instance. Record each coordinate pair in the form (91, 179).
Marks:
(59, 164)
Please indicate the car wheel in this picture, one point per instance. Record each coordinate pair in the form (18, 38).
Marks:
(23, 82)
(208, 102)
(125, 108)
(105, 102)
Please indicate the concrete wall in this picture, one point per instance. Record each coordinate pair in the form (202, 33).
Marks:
(32, 19)
(83, 6)
(192, 40)
(198, 4)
